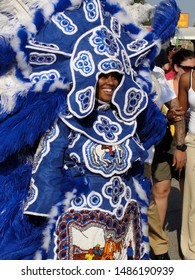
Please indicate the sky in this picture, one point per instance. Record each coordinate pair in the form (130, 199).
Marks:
(186, 7)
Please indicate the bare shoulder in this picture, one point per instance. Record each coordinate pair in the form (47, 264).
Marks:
(185, 77)
(184, 80)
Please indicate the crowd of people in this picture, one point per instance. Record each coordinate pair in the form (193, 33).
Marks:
(164, 166)
(92, 133)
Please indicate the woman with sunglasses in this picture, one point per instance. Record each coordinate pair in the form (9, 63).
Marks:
(183, 61)
(186, 97)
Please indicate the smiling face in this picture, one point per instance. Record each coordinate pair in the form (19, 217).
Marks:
(107, 83)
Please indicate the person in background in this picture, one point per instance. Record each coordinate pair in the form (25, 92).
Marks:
(186, 97)
(161, 167)
(162, 61)
(181, 61)
(170, 52)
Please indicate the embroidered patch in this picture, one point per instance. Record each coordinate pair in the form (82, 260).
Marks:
(107, 65)
(50, 75)
(137, 45)
(107, 160)
(79, 202)
(84, 63)
(64, 23)
(115, 190)
(85, 99)
(134, 98)
(91, 235)
(91, 10)
(42, 59)
(42, 45)
(104, 42)
(107, 128)
(115, 27)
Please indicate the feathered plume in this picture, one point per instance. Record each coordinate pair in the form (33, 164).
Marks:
(166, 16)
(38, 113)
(18, 238)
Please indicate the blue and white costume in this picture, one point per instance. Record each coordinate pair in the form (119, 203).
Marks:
(66, 155)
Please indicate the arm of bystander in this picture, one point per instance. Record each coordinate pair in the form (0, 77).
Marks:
(176, 114)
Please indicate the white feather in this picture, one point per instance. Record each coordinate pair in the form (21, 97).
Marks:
(13, 13)
(54, 216)
(10, 87)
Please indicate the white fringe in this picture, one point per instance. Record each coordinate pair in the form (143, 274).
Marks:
(135, 13)
(13, 13)
(54, 216)
(10, 87)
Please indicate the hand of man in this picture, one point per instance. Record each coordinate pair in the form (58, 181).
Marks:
(179, 159)
(175, 114)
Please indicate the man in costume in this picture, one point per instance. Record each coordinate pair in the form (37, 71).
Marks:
(67, 155)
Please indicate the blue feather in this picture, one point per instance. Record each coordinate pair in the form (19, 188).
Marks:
(60, 6)
(165, 20)
(7, 55)
(39, 112)
(112, 8)
(18, 238)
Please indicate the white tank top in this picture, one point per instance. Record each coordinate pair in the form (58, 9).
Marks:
(191, 100)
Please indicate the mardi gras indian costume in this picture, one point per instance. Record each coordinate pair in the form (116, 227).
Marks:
(66, 156)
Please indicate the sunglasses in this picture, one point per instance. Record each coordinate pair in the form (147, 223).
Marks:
(187, 68)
